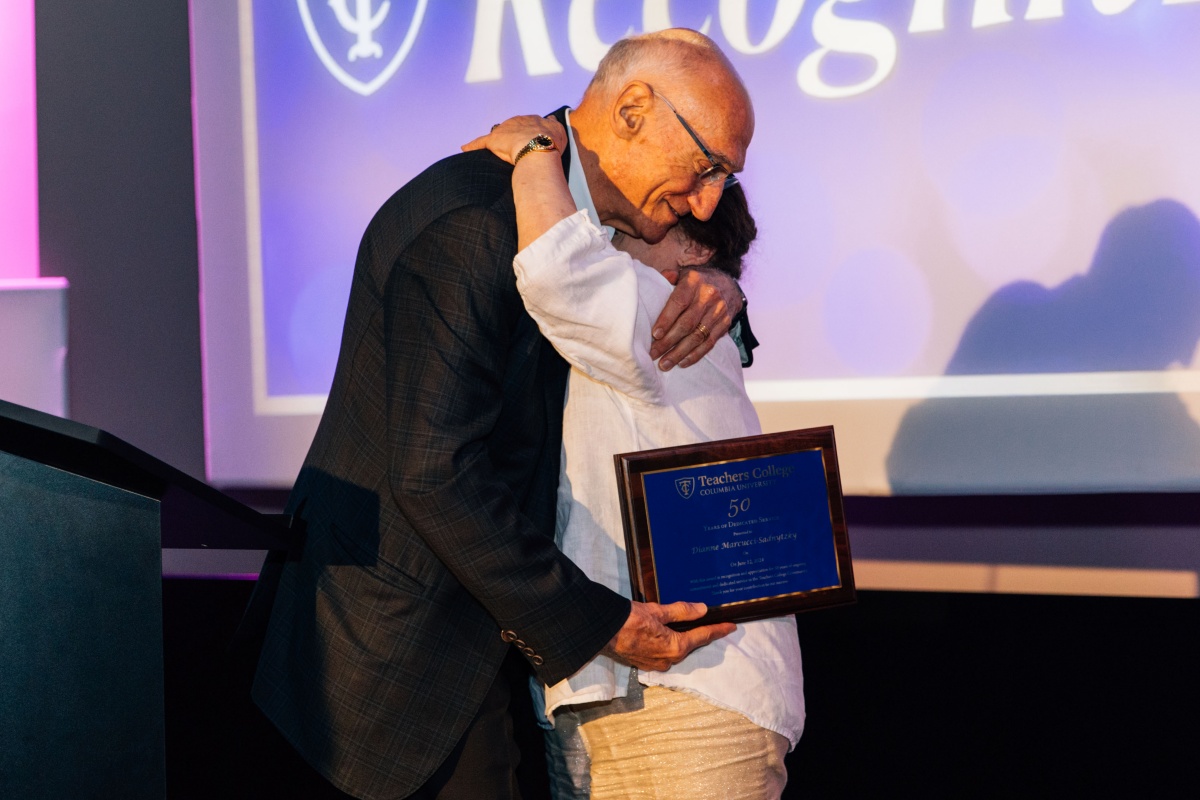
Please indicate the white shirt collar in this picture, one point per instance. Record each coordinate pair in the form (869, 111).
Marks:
(577, 181)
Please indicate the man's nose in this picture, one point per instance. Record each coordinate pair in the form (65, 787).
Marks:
(703, 201)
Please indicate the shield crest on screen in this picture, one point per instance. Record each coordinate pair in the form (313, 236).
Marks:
(362, 42)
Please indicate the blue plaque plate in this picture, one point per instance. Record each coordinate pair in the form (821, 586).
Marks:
(753, 527)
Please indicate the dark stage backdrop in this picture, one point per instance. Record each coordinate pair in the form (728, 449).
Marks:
(909, 695)
(118, 216)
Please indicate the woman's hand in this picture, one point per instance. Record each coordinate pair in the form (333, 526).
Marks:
(540, 192)
(507, 138)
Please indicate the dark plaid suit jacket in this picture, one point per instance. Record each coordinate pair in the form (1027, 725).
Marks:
(429, 494)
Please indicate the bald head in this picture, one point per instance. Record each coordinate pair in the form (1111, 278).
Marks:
(642, 163)
(671, 55)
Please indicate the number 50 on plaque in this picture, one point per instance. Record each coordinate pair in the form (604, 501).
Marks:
(753, 527)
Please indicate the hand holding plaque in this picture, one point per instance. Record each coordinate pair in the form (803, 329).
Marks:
(656, 637)
(753, 527)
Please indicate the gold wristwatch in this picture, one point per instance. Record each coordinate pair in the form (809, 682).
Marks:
(539, 143)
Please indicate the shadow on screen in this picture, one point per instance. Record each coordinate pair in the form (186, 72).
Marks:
(1137, 308)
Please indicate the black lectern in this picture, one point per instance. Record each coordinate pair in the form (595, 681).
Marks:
(83, 518)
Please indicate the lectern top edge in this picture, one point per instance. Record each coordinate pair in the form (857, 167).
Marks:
(97, 455)
(84, 450)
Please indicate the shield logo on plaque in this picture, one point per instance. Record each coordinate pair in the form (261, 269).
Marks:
(686, 487)
(362, 42)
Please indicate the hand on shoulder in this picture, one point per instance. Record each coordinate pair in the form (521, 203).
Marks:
(507, 138)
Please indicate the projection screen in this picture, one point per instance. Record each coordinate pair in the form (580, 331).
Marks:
(979, 253)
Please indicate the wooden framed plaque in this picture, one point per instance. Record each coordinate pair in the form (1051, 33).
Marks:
(753, 527)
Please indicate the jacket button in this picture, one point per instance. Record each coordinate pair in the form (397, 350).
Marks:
(508, 636)
(537, 661)
(528, 651)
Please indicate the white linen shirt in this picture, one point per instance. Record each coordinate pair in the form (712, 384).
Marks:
(596, 305)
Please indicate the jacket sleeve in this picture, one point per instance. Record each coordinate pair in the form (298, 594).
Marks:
(455, 336)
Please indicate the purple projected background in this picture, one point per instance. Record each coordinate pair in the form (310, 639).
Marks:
(979, 251)
(988, 155)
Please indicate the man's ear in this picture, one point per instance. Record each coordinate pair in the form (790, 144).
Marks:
(695, 254)
(631, 108)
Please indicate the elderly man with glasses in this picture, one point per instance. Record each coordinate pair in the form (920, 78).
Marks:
(430, 576)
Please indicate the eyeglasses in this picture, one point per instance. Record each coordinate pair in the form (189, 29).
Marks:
(715, 174)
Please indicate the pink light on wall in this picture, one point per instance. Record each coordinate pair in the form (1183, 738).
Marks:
(18, 143)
